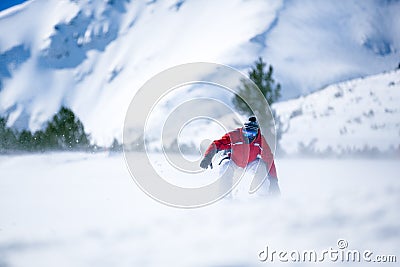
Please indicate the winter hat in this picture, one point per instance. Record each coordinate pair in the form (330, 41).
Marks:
(251, 125)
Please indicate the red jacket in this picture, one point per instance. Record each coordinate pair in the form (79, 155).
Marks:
(242, 153)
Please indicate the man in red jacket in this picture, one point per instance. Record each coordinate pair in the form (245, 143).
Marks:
(246, 147)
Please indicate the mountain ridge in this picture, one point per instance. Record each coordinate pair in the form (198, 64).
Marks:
(358, 115)
(93, 56)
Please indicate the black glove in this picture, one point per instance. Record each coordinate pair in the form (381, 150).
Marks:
(207, 161)
(274, 187)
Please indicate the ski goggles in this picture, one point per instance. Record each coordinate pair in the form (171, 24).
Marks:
(250, 133)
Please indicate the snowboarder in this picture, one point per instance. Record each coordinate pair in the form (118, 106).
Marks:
(245, 147)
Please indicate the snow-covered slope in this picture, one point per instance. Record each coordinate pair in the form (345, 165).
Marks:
(357, 115)
(85, 210)
(92, 56)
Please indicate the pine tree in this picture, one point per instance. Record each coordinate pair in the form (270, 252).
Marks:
(264, 81)
(116, 146)
(39, 141)
(65, 131)
(25, 141)
(8, 140)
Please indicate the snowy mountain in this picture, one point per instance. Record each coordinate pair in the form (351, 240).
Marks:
(358, 115)
(92, 56)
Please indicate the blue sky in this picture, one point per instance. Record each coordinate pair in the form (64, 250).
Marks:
(4, 4)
